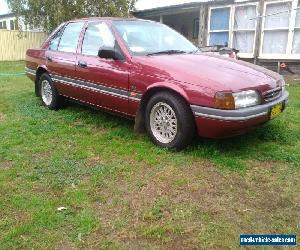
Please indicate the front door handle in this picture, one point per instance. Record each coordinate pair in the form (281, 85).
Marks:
(49, 58)
(82, 64)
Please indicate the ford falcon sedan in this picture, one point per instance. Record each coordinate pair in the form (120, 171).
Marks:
(146, 71)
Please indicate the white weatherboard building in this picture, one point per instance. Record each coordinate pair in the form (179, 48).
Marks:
(9, 22)
(264, 31)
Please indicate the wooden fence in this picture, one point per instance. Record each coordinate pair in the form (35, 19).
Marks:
(13, 44)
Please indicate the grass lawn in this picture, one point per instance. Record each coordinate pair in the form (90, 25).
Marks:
(122, 192)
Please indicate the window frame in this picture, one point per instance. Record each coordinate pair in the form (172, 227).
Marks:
(209, 31)
(291, 31)
(196, 27)
(60, 29)
(11, 24)
(232, 30)
(63, 30)
(83, 36)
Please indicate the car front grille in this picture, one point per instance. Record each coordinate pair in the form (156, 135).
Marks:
(272, 94)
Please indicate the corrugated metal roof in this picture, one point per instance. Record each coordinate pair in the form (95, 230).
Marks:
(161, 4)
(172, 8)
(7, 15)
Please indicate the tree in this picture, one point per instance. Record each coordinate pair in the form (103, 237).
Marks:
(48, 14)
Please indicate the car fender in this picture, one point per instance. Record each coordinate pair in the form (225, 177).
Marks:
(171, 86)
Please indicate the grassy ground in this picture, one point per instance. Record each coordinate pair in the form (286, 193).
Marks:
(122, 192)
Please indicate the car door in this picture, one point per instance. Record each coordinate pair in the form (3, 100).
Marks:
(107, 79)
(61, 56)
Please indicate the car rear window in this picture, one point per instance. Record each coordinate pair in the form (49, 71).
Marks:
(69, 39)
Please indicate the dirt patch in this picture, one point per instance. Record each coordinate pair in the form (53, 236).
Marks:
(197, 204)
(5, 164)
(2, 117)
(65, 245)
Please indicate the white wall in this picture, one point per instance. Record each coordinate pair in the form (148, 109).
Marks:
(7, 20)
(21, 24)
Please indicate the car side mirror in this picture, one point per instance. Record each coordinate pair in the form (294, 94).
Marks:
(110, 53)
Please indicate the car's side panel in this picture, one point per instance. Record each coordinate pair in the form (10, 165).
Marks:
(108, 79)
(61, 64)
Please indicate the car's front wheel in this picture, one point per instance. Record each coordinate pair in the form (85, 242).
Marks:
(169, 121)
(48, 93)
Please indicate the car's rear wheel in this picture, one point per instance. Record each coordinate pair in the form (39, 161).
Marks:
(48, 93)
(169, 121)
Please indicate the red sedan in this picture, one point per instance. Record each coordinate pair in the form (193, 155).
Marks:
(147, 71)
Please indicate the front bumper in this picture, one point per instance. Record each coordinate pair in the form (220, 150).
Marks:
(217, 123)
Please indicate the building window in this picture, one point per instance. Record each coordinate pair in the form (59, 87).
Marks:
(281, 30)
(219, 26)
(276, 28)
(296, 39)
(234, 26)
(12, 25)
(244, 28)
(1, 27)
(4, 25)
(196, 28)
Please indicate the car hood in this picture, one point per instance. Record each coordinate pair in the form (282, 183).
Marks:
(212, 71)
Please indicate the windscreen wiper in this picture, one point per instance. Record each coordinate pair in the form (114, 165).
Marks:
(169, 52)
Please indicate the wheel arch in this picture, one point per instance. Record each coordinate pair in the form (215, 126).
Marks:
(40, 70)
(139, 125)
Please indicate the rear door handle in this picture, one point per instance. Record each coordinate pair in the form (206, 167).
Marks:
(82, 64)
(49, 58)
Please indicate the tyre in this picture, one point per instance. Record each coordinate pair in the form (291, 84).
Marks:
(48, 93)
(169, 121)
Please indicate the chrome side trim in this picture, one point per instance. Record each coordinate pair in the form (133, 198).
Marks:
(244, 118)
(30, 71)
(97, 87)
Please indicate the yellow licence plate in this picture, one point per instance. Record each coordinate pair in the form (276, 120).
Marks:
(276, 110)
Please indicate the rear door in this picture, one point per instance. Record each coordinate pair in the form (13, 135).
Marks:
(61, 56)
(106, 79)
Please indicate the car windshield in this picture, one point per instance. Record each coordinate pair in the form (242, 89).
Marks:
(150, 38)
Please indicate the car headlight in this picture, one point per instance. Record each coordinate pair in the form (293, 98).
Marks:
(246, 99)
(228, 100)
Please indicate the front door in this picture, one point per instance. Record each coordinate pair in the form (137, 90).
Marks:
(107, 79)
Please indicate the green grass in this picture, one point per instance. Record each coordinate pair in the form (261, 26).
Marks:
(122, 192)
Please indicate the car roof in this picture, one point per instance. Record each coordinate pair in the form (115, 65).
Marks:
(108, 19)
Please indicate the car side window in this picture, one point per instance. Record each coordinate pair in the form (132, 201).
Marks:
(69, 39)
(55, 40)
(97, 35)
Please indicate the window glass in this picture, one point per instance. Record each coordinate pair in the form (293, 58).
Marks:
(244, 28)
(196, 28)
(1, 25)
(97, 35)
(297, 22)
(12, 26)
(244, 17)
(244, 41)
(55, 40)
(69, 39)
(144, 37)
(219, 19)
(277, 15)
(4, 25)
(219, 38)
(296, 42)
(276, 26)
(277, 46)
